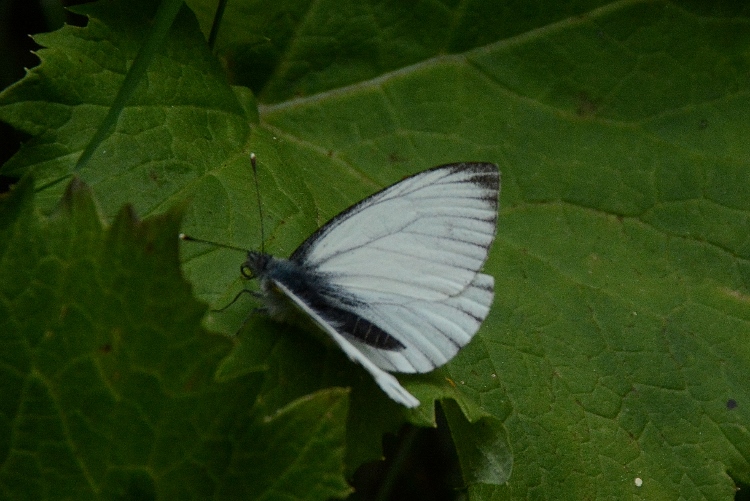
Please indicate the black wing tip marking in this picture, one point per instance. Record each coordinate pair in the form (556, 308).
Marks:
(475, 166)
(486, 175)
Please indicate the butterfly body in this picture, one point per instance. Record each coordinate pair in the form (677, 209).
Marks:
(314, 290)
(394, 280)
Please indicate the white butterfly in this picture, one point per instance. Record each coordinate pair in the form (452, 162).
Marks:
(394, 279)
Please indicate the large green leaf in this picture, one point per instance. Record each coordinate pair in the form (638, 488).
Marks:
(617, 345)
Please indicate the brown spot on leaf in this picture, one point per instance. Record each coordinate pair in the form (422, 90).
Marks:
(586, 107)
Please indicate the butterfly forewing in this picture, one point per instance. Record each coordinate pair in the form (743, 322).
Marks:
(425, 237)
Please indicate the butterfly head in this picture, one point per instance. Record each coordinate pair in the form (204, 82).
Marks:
(255, 265)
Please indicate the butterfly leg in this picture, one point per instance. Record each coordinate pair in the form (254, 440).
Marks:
(243, 291)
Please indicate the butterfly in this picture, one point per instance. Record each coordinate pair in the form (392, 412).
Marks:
(395, 279)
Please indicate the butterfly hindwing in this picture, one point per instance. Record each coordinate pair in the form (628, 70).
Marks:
(432, 332)
(387, 382)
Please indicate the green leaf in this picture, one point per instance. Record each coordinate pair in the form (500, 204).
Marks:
(305, 437)
(295, 48)
(616, 348)
(483, 448)
(109, 380)
(181, 120)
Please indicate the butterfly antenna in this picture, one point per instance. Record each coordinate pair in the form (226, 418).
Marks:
(188, 238)
(260, 205)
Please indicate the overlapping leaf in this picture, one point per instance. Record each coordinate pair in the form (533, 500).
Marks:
(108, 377)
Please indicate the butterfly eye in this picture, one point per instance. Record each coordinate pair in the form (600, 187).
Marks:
(247, 271)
